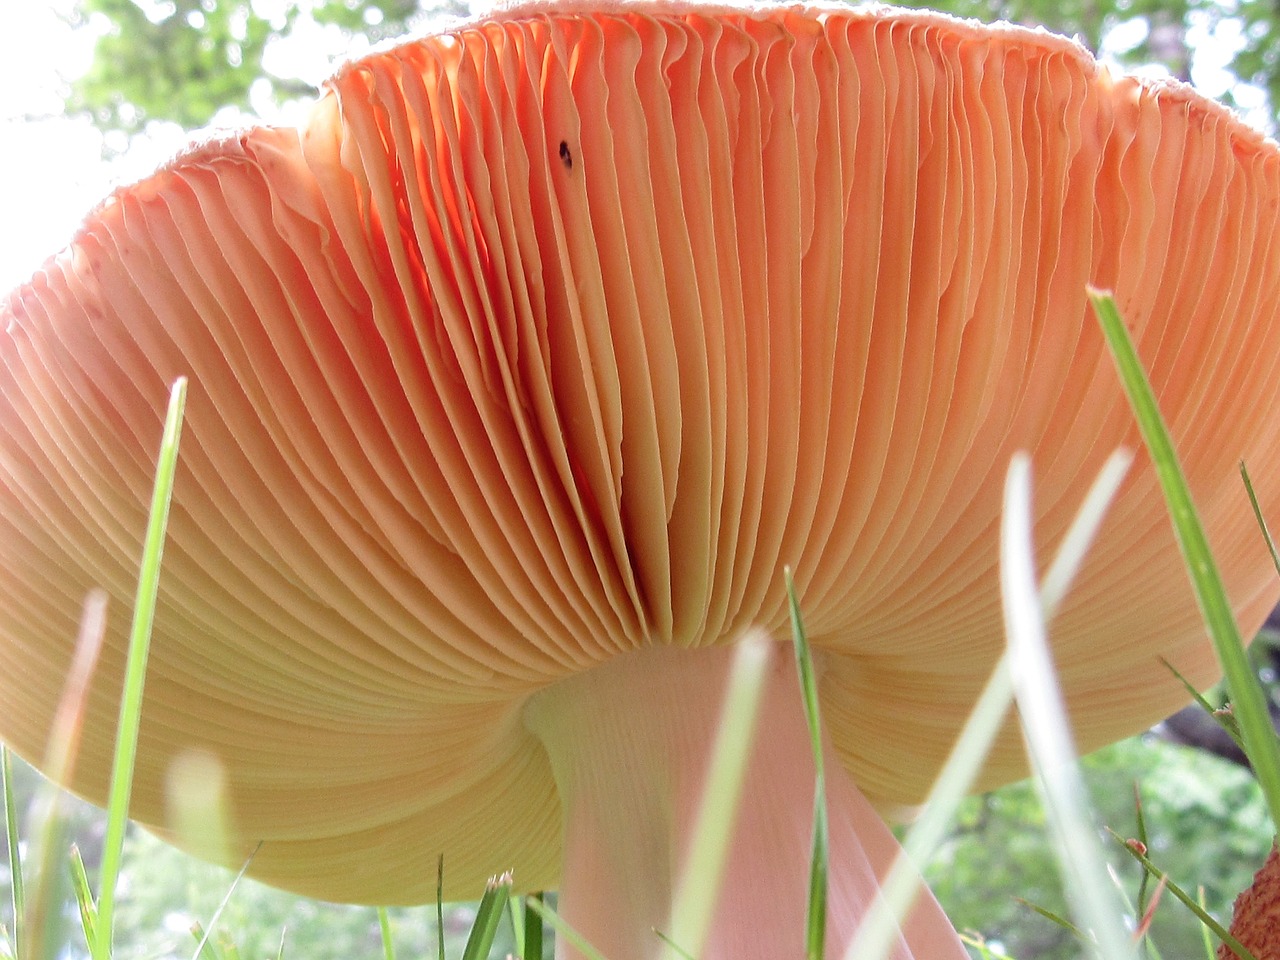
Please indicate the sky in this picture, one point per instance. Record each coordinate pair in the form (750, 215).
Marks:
(52, 170)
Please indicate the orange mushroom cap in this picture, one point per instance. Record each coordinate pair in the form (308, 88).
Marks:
(557, 336)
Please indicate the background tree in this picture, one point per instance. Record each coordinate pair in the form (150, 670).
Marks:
(184, 60)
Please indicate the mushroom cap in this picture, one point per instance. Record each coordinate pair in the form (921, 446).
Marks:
(559, 335)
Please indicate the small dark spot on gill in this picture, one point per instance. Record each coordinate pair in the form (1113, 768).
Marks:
(565, 156)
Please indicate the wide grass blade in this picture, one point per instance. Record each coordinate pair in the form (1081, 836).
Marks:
(532, 948)
(819, 859)
(136, 668)
(694, 902)
(488, 916)
(1260, 740)
(1045, 725)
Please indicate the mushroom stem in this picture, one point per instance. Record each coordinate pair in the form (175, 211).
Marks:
(630, 744)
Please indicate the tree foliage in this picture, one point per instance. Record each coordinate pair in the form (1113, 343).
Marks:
(183, 60)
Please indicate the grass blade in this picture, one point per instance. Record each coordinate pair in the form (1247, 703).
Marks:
(440, 907)
(136, 667)
(42, 920)
(384, 927)
(488, 916)
(1260, 740)
(1202, 915)
(694, 902)
(226, 898)
(16, 888)
(1257, 513)
(562, 929)
(1044, 722)
(84, 898)
(532, 949)
(879, 927)
(816, 915)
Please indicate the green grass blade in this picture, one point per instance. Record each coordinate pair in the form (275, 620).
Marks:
(16, 888)
(1044, 722)
(84, 899)
(42, 920)
(440, 907)
(1206, 937)
(1225, 718)
(1056, 919)
(1144, 839)
(518, 916)
(1257, 513)
(563, 929)
(136, 667)
(1187, 900)
(694, 902)
(816, 914)
(384, 927)
(226, 898)
(488, 916)
(674, 947)
(1260, 740)
(204, 949)
(879, 927)
(532, 948)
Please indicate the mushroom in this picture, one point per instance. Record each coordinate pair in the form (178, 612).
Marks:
(523, 368)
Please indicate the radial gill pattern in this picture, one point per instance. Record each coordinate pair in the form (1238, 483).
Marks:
(561, 334)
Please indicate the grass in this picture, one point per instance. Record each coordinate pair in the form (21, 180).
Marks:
(1100, 916)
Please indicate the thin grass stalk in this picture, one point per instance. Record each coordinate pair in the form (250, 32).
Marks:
(136, 668)
(440, 908)
(819, 857)
(17, 890)
(1257, 514)
(384, 928)
(42, 920)
(222, 904)
(1044, 722)
(694, 903)
(1260, 740)
(901, 885)
(1207, 921)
